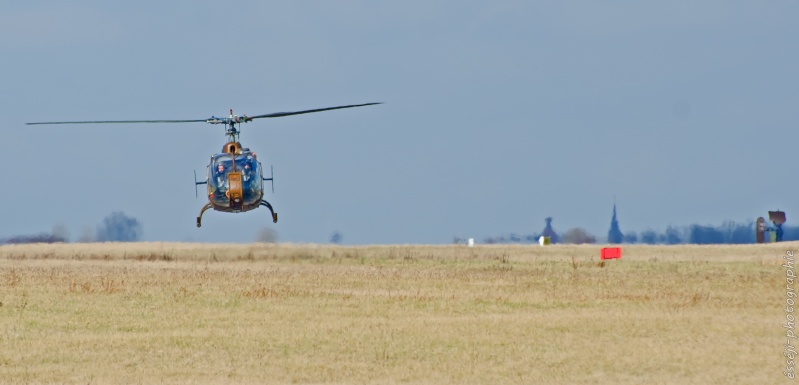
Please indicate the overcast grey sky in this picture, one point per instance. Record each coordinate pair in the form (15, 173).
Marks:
(498, 114)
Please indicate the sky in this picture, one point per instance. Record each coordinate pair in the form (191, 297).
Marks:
(496, 115)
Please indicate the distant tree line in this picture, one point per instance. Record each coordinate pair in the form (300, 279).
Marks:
(37, 238)
(116, 227)
(729, 232)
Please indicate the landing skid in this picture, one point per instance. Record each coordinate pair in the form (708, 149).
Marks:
(200, 218)
(269, 206)
(263, 203)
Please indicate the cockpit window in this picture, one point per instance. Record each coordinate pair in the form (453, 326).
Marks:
(219, 169)
(251, 174)
(247, 164)
(243, 162)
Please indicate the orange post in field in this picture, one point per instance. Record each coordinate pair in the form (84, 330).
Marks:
(610, 253)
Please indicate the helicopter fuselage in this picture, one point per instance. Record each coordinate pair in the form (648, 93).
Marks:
(235, 181)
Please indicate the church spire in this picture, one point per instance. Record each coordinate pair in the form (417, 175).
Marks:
(614, 234)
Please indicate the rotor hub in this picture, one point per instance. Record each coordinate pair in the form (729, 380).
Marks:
(231, 132)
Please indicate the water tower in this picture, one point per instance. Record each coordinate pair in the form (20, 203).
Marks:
(777, 218)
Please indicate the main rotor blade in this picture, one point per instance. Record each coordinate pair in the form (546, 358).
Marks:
(279, 114)
(122, 121)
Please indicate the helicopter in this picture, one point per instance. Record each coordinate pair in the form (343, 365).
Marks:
(234, 177)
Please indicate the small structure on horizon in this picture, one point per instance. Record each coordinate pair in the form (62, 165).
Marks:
(760, 230)
(777, 218)
(775, 233)
(549, 232)
(614, 234)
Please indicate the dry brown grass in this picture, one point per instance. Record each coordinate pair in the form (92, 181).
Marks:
(178, 313)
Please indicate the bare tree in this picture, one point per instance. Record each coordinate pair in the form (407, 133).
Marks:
(61, 231)
(578, 236)
(87, 235)
(266, 235)
(118, 227)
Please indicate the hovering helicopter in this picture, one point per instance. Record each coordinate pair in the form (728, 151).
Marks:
(234, 177)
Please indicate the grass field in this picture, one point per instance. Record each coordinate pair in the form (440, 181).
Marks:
(312, 314)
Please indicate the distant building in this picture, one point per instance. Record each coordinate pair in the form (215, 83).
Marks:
(614, 234)
(549, 232)
(760, 230)
(778, 219)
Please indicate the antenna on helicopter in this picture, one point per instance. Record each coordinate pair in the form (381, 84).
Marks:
(196, 183)
(271, 178)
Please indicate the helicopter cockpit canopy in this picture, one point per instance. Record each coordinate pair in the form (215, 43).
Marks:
(251, 180)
